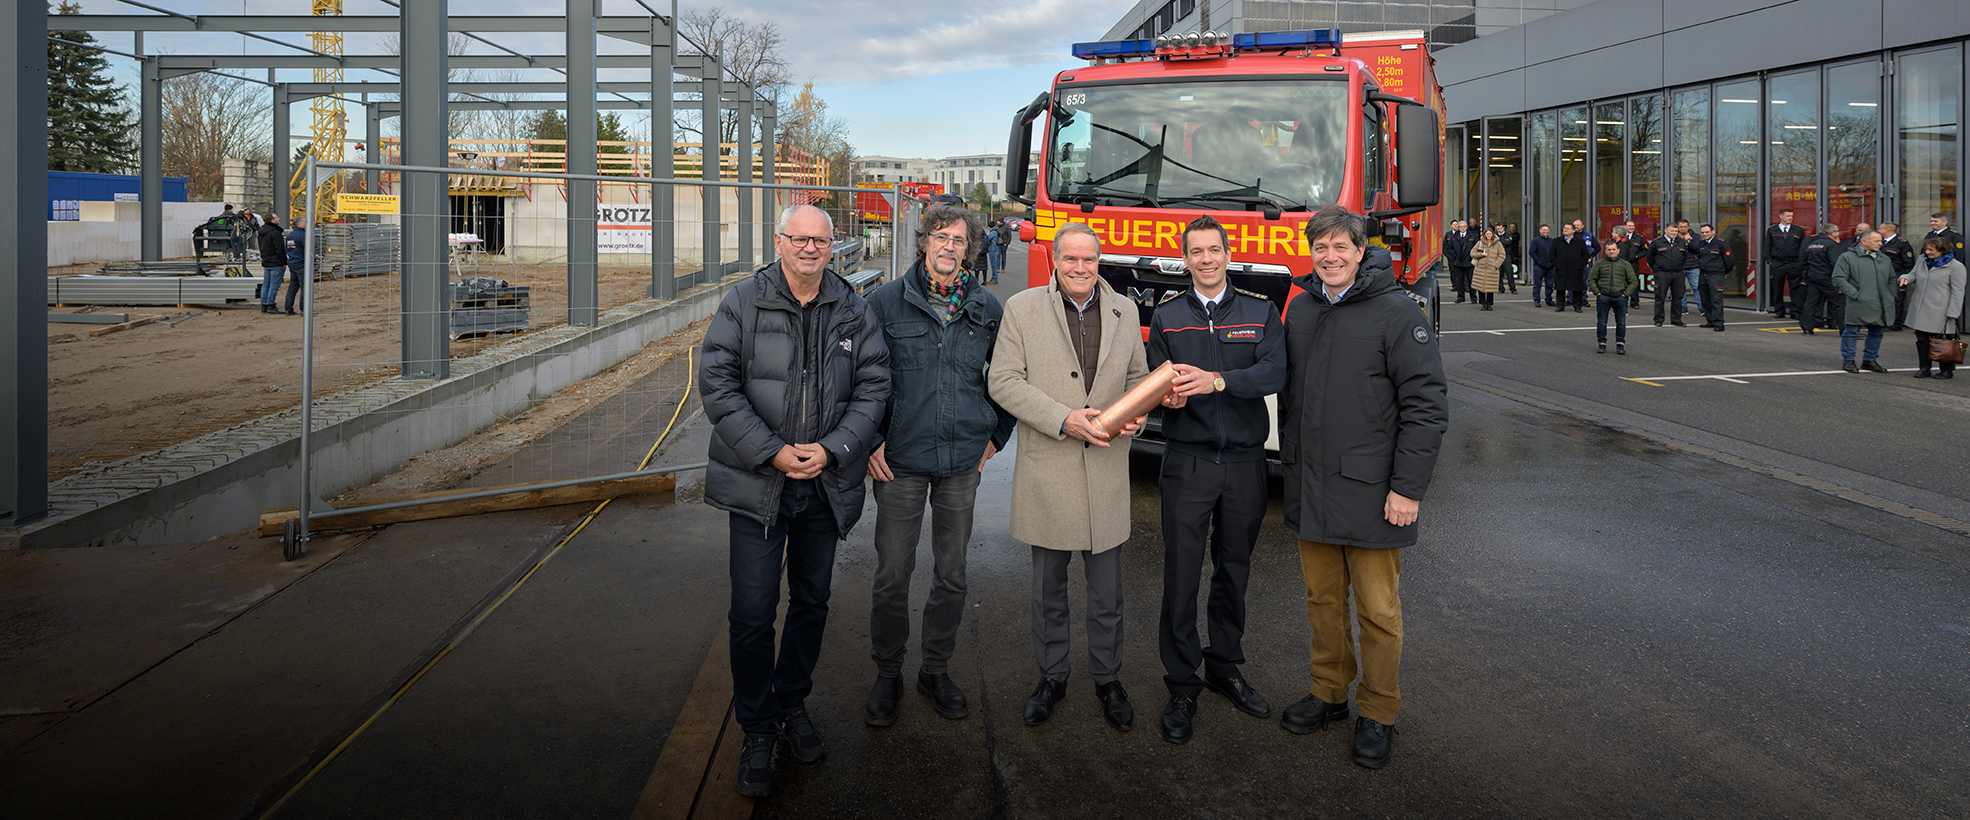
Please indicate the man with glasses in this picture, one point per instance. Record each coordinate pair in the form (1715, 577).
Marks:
(796, 380)
(940, 325)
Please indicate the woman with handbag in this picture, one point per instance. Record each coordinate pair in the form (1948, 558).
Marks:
(1488, 257)
(1935, 307)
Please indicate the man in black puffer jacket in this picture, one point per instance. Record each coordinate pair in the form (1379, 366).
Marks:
(1361, 420)
(273, 261)
(795, 379)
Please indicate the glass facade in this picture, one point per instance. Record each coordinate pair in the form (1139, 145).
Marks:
(1843, 142)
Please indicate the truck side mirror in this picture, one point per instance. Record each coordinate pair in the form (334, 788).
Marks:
(1019, 147)
(1418, 157)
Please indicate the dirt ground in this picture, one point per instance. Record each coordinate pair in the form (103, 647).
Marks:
(204, 368)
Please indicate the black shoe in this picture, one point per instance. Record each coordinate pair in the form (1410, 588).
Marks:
(1922, 374)
(1371, 743)
(882, 700)
(1947, 374)
(1311, 715)
(1680, 324)
(1873, 366)
(1620, 348)
(944, 695)
(1115, 705)
(290, 312)
(1560, 309)
(1849, 366)
(1039, 707)
(802, 737)
(1602, 348)
(1897, 329)
(1808, 331)
(757, 759)
(1460, 300)
(1719, 327)
(1658, 323)
(1176, 718)
(1578, 308)
(1240, 693)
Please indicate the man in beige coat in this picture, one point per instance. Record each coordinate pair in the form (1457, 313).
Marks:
(1074, 342)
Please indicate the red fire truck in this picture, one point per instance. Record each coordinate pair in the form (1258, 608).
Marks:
(1258, 130)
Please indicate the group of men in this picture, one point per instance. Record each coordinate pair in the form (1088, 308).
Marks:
(1799, 267)
(808, 387)
(1457, 244)
(282, 256)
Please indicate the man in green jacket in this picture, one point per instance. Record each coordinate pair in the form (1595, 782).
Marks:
(1867, 279)
(1612, 280)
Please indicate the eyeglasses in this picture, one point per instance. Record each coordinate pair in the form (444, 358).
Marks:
(806, 241)
(950, 240)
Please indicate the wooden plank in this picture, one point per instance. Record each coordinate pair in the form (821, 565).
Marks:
(272, 522)
(88, 318)
(672, 790)
(718, 800)
(119, 328)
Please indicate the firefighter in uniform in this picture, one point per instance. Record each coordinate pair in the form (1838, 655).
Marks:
(1633, 250)
(1819, 302)
(1781, 255)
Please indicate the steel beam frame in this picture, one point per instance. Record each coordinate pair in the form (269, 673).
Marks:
(426, 197)
(712, 168)
(584, 293)
(663, 201)
(23, 269)
(150, 162)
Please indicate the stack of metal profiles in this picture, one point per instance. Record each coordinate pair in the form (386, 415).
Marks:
(345, 249)
(181, 268)
(151, 290)
(489, 306)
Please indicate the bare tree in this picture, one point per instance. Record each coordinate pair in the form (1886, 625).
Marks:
(753, 54)
(460, 123)
(806, 125)
(209, 118)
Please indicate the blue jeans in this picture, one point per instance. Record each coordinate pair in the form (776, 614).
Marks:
(764, 689)
(997, 256)
(1619, 305)
(1851, 333)
(1542, 282)
(270, 284)
(1689, 287)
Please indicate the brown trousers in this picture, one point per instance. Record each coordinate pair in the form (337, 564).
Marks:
(1331, 570)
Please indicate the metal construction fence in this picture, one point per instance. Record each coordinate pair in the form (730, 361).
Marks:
(522, 343)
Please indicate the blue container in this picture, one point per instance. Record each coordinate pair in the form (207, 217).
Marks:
(69, 188)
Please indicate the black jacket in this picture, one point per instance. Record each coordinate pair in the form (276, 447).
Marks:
(751, 377)
(1364, 409)
(1541, 251)
(1633, 251)
(1900, 254)
(940, 414)
(1242, 340)
(1712, 255)
(1570, 260)
(1817, 255)
(1512, 248)
(1782, 247)
(1457, 248)
(1669, 255)
(1954, 239)
(273, 246)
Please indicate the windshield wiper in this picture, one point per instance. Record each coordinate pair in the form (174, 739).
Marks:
(1249, 199)
(1089, 193)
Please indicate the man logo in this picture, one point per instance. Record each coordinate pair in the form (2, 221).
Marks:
(849, 348)
(1422, 335)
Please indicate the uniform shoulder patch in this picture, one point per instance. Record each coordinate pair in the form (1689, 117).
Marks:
(1421, 334)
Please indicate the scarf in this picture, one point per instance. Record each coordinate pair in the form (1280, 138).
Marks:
(1940, 261)
(951, 298)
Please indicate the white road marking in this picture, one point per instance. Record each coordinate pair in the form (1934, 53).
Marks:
(1738, 378)
(1631, 326)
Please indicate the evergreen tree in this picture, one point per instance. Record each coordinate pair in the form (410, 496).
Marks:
(90, 128)
(609, 128)
(548, 125)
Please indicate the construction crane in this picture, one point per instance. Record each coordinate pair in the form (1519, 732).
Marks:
(330, 127)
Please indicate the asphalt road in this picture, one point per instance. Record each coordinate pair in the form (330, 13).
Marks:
(1705, 598)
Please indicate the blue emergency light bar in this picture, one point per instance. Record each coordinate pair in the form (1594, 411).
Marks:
(1265, 40)
(1114, 48)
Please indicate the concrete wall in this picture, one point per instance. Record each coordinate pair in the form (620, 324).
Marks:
(1612, 48)
(121, 240)
(537, 230)
(250, 184)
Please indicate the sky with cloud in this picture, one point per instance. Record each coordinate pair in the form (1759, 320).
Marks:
(911, 79)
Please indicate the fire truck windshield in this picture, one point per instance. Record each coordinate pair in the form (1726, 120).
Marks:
(1224, 145)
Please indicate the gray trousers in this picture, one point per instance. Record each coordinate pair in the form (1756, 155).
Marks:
(1104, 578)
(899, 526)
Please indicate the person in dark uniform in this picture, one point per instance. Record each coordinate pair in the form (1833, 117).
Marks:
(1713, 259)
(1514, 255)
(1457, 253)
(1571, 255)
(1901, 257)
(1819, 301)
(1669, 253)
(1634, 251)
(1541, 252)
(1781, 255)
(1229, 351)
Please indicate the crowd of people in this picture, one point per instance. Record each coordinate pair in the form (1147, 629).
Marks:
(1872, 283)
(810, 390)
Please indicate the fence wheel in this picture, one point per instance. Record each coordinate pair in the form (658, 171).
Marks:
(290, 542)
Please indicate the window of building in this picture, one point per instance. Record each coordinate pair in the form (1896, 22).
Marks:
(1504, 166)
(1735, 182)
(1545, 173)
(1610, 147)
(1453, 174)
(1474, 169)
(1792, 146)
(1573, 166)
(1645, 164)
(1690, 113)
(1926, 88)
(1853, 143)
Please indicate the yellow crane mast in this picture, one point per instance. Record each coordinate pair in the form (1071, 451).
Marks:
(330, 126)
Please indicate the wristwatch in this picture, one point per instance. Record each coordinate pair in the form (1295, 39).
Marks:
(1217, 384)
